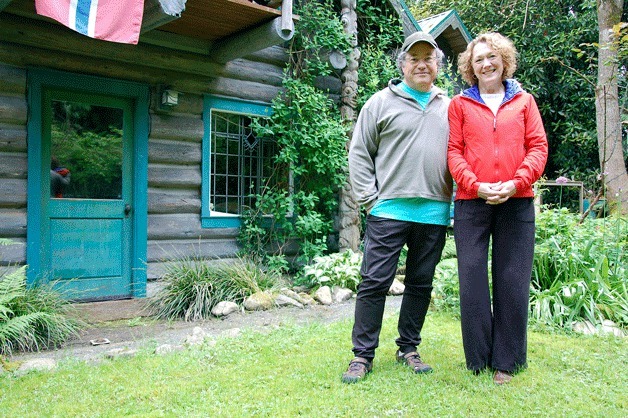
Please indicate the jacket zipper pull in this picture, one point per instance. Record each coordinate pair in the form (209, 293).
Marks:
(494, 124)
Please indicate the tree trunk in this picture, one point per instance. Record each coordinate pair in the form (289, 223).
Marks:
(349, 229)
(608, 118)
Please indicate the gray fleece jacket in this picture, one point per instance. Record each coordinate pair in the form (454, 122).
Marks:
(399, 150)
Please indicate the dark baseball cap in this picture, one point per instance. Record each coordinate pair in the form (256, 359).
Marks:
(418, 37)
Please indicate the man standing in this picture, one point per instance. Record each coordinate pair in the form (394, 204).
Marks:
(398, 170)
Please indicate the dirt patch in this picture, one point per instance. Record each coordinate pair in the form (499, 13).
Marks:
(137, 333)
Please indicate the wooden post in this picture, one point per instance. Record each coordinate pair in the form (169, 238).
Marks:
(349, 230)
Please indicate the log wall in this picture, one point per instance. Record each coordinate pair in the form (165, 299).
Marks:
(174, 166)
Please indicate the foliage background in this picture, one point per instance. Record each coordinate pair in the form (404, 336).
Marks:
(557, 44)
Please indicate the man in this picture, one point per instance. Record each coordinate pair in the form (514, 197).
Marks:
(398, 170)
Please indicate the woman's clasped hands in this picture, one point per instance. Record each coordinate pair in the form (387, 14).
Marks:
(496, 193)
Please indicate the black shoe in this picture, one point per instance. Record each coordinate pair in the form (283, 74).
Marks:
(413, 360)
(358, 368)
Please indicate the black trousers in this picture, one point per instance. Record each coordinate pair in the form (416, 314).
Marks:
(494, 335)
(383, 242)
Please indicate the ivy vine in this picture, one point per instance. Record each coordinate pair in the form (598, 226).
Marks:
(293, 217)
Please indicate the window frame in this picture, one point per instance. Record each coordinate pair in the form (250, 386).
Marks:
(230, 105)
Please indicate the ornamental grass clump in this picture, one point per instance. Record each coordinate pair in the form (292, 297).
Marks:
(193, 286)
(579, 271)
(33, 318)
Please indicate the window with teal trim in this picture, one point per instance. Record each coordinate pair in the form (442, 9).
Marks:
(237, 162)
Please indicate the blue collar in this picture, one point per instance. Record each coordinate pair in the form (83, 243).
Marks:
(512, 88)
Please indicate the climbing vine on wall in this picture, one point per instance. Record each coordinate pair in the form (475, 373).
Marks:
(295, 217)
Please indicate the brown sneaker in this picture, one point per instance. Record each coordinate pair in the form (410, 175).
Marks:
(358, 368)
(413, 360)
(501, 378)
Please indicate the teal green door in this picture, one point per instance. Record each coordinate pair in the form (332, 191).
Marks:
(87, 227)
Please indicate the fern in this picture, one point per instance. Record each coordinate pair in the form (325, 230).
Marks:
(34, 318)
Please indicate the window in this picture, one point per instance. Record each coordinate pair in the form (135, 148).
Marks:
(236, 161)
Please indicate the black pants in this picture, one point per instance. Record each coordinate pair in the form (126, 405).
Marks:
(383, 242)
(494, 335)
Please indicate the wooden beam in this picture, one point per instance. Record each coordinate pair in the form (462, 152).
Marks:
(159, 12)
(247, 42)
(4, 3)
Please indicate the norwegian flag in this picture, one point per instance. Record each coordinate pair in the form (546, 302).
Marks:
(109, 20)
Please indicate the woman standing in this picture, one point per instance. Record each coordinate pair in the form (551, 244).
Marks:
(497, 150)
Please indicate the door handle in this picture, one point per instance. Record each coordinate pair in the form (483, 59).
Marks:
(127, 209)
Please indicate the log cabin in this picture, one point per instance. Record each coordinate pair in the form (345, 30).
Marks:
(118, 158)
(133, 129)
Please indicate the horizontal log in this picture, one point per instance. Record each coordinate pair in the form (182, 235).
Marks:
(184, 226)
(156, 270)
(245, 42)
(329, 84)
(173, 176)
(20, 55)
(275, 55)
(13, 109)
(13, 165)
(12, 80)
(243, 89)
(12, 223)
(14, 253)
(173, 201)
(12, 193)
(241, 69)
(159, 12)
(174, 152)
(12, 137)
(38, 33)
(167, 250)
(177, 127)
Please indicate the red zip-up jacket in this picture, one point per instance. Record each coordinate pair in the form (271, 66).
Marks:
(488, 148)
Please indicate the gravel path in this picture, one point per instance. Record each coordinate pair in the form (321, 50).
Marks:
(133, 335)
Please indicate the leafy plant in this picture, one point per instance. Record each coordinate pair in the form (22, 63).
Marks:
(34, 318)
(338, 269)
(193, 287)
(579, 270)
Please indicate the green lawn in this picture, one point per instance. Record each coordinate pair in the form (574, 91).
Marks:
(295, 371)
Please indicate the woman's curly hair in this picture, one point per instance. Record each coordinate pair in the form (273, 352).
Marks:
(497, 42)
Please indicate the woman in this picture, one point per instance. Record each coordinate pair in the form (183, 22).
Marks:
(497, 150)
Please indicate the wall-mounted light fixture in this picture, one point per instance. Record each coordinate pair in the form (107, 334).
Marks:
(169, 98)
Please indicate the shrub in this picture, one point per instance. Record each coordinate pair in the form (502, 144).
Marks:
(338, 269)
(193, 287)
(579, 270)
(34, 318)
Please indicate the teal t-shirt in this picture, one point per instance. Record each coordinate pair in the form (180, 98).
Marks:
(415, 209)
(421, 97)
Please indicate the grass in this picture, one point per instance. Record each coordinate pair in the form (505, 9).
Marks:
(295, 371)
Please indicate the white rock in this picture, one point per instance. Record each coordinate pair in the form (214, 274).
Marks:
(293, 295)
(307, 299)
(259, 301)
(340, 294)
(120, 352)
(396, 288)
(197, 337)
(37, 364)
(609, 327)
(585, 327)
(283, 300)
(168, 348)
(231, 333)
(225, 308)
(323, 295)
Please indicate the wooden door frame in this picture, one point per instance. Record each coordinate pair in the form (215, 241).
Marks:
(38, 80)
